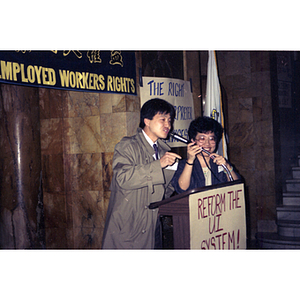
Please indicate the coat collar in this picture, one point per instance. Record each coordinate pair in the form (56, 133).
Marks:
(161, 144)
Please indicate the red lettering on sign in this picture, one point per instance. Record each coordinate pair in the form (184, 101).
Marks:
(225, 240)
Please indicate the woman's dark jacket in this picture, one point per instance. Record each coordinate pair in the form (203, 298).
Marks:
(197, 177)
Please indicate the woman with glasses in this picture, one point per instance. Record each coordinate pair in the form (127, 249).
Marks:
(201, 169)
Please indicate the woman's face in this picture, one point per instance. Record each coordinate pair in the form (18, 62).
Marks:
(207, 141)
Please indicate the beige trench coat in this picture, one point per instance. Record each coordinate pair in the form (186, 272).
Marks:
(137, 181)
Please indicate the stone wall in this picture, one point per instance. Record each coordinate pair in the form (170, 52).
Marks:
(21, 206)
(78, 134)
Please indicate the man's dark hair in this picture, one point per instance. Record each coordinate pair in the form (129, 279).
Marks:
(154, 106)
(205, 125)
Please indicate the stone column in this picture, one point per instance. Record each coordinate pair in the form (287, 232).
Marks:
(21, 201)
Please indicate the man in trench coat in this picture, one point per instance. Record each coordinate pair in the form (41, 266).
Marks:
(140, 178)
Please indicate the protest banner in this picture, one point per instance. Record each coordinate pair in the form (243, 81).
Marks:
(217, 219)
(86, 71)
(178, 93)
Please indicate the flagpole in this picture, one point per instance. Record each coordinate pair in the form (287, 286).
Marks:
(221, 110)
(201, 91)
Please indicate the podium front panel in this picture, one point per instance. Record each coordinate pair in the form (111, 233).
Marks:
(212, 217)
(218, 219)
(178, 211)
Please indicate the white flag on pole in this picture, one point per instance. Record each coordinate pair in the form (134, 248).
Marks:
(213, 103)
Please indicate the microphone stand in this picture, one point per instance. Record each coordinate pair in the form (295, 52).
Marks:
(184, 140)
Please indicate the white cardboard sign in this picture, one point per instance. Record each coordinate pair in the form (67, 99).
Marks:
(218, 219)
(178, 93)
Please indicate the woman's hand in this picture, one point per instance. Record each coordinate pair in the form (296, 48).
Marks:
(185, 177)
(192, 150)
(220, 160)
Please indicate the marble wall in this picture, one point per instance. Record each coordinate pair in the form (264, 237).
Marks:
(21, 205)
(78, 133)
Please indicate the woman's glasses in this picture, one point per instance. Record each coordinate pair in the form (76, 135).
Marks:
(202, 139)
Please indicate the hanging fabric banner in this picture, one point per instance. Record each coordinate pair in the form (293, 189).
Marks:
(91, 71)
(177, 92)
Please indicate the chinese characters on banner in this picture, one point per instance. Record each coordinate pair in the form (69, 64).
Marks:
(217, 219)
(91, 71)
(177, 92)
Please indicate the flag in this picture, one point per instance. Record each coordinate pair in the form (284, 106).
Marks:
(213, 104)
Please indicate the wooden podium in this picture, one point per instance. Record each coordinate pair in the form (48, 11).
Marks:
(211, 217)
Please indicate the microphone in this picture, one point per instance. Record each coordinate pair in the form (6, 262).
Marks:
(179, 138)
(184, 140)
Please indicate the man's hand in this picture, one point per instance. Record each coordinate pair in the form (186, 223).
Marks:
(168, 159)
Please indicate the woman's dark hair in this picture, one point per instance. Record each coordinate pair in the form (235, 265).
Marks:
(205, 125)
(154, 106)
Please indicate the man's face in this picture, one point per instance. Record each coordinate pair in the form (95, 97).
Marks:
(158, 127)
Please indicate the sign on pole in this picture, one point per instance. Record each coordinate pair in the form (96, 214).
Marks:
(177, 92)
